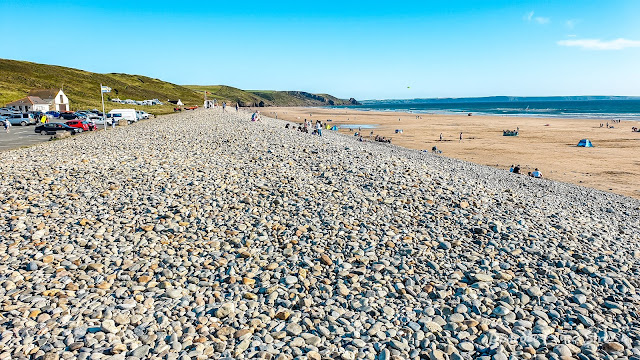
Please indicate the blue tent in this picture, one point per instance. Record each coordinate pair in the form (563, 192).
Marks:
(585, 143)
(334, 127)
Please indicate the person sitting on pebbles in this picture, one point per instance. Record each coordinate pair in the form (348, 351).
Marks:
(536, 173)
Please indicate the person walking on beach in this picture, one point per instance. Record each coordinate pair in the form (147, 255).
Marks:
(237, 107)
(460, 136)
(224, 106)
(440, 136)
(319, 128)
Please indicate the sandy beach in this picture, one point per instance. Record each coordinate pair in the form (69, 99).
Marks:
(545, 143)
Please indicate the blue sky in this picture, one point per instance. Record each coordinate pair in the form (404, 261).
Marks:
(366, 50)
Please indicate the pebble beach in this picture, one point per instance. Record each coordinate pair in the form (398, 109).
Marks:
(204, 235)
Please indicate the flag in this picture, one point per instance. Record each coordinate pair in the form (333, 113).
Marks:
(105, 89)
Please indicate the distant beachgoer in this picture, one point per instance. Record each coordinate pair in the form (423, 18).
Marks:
(511, 169)
(319, 128)
(516, 170)
(7, 125)
(460, 136)
(237, 107)
(440, 136)
(43, 119)
(536, 173)
(113, 123)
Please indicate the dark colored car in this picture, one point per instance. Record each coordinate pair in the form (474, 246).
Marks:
(54, 114)
(81, 124)
(55, 127)
(68, 115)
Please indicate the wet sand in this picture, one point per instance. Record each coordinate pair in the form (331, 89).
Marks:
(613, 164)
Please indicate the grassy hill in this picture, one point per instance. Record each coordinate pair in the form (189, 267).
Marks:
(83, 89)
(269, 97)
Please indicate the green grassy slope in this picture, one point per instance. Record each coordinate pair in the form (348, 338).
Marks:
(227, 93)
(83, 87)
(267, 97)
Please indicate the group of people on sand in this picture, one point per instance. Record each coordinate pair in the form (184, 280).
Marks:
(316, 129)
(617, 121)
(382, 139)
(517, 170)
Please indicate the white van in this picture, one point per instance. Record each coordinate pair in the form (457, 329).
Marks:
(126, 114)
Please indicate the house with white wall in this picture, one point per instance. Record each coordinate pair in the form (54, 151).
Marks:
(30, 103)
(57, 99)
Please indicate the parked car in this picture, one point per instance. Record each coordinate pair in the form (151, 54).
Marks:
(91, 117)
(18, 119)
(55, 127)
(100, 122)
(81, 124)
(127, 114)
(68, 115)
(53, 114)
(8, 111)
(142, 115)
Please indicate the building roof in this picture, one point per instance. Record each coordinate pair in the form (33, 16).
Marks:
(29, 100)
(44, 93)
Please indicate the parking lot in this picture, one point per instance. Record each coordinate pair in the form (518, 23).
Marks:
(20, 136)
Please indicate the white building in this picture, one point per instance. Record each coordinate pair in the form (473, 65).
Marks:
(30, 103)
(56, 98)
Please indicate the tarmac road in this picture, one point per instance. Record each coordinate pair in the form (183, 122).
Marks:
(20, 136)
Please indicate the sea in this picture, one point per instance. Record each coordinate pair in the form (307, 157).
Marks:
(605, 108)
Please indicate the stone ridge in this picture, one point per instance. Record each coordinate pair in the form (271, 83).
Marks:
(205, 235)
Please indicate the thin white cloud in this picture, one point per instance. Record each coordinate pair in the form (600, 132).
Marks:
(571, 23)
(597, 44)
(529, 17)
(542, 20)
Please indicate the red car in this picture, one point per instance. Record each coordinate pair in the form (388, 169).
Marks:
(81, 124)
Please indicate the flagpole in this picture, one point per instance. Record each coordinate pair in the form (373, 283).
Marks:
(104, 116)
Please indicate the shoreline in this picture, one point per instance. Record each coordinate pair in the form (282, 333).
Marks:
(545, 143)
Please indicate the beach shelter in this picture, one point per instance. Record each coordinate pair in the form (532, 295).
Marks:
(585, 143)
(334, 128)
